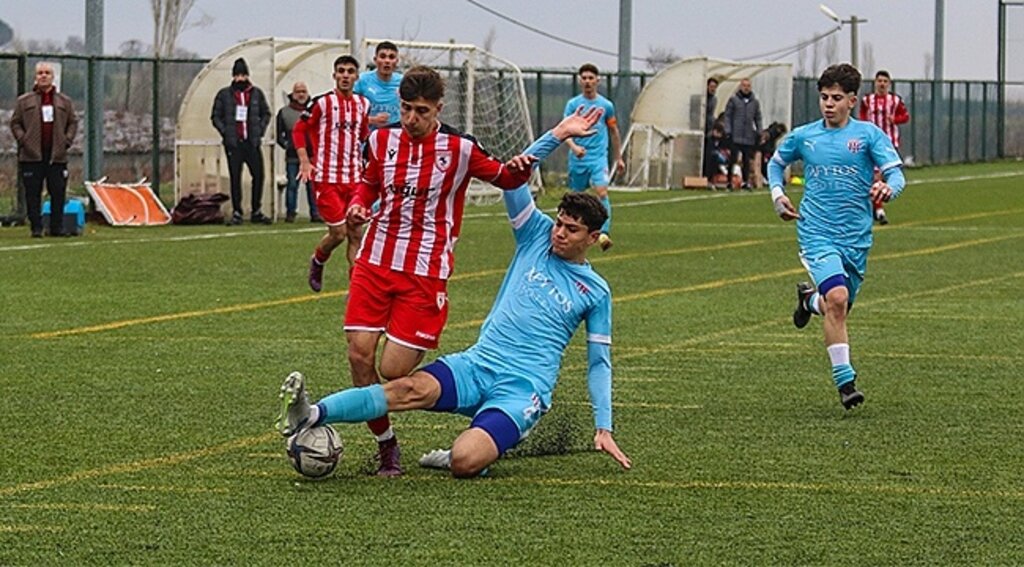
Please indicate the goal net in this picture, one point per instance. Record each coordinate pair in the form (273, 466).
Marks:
(484, 97)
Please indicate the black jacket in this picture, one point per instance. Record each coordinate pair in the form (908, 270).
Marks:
(223, 116)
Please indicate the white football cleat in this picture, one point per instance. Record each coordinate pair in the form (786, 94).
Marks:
(437, 459)
(294, 415)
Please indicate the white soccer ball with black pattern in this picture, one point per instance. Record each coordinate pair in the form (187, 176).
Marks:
(314, 452)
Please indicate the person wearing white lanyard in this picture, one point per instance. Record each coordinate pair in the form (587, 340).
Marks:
(44, 124)
(241, 115)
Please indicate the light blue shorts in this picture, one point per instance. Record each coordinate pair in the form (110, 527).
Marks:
(583, 175)
(824, 259)
(477, 389)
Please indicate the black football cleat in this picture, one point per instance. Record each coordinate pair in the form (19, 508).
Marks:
(850, 396)
(802, 314)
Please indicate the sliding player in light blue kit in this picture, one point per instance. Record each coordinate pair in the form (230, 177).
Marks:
(840, 155)
(505, 380)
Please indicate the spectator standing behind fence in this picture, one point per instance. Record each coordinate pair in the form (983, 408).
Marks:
(886, 110)
(743, 127)
(298, 101)
(710, 165)
(241, 115)
(44, 125)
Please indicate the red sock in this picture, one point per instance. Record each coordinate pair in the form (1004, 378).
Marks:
(380, 425)
(321, 256)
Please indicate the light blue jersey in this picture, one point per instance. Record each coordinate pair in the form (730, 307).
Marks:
(596, 145)
(383, 96)
(839, 165)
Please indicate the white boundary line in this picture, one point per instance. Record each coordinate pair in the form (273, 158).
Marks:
(699, 197)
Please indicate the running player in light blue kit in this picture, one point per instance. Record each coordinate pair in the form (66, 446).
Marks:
(588, 157)
(840, 155)
(380, 86)
(505, 380)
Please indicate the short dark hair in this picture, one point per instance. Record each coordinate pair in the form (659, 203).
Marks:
(588, 67)
(585, 208)
(421, 81)
(883, 73)
(385, 45)
(712, 80)
(346, 59)
(846, 76)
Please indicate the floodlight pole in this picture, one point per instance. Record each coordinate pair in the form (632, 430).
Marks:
(94, 91)
(624, 94)
(1001, 78)
(854, 21)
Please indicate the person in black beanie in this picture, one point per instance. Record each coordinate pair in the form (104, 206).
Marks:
(241, 115)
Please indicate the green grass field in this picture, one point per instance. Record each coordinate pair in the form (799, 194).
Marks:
(140, 370)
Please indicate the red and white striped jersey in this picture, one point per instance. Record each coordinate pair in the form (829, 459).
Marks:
(887, 112)
(422, 189)
(337, 126)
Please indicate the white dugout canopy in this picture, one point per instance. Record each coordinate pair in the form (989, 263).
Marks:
(275, 64)
(666, 135)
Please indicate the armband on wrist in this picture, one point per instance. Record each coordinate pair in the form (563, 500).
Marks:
(777, 192)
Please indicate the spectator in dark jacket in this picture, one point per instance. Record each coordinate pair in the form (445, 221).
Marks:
(298, 102)
(241, 115)
(743, 127)
(44, 125)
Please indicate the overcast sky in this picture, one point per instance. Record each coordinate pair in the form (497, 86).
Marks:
(900, 32)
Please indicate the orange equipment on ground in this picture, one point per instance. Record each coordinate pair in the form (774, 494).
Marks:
(128, 204)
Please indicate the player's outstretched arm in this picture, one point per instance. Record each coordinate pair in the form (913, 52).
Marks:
(603, 441)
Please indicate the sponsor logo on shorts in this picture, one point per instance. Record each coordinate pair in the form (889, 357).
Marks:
(427, 336)
(441, 299)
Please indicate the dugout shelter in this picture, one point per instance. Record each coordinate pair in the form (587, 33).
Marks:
(275, 64)
(665, 142)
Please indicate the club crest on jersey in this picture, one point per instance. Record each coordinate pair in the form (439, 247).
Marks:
(581, 287)
(442, 160)
(854, 145)
(442, 298)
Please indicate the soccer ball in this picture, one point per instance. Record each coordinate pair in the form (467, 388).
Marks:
(314, 452)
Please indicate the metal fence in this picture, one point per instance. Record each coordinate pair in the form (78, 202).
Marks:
(952, 121)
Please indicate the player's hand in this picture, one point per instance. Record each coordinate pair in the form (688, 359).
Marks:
(620, 166)
(579, 151)
(880, 192)
(579, 124)
(379, 119)
(603, 442)
(784, 208)
(305, 172)
(521, 162)
(358, 214)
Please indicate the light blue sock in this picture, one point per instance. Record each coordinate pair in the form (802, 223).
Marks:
(354, 405)
(606, 228)
(843, 373)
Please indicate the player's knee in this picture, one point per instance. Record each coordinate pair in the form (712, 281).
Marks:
(466, 464)
(360, 357)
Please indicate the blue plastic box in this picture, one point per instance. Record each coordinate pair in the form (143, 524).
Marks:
(74, 216)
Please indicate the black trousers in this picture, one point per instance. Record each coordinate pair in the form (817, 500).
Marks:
(748, 155)
(251, 156)
(55, 175)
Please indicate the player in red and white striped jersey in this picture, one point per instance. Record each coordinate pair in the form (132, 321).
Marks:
(336, 127)
(420, 172)
(886, 110)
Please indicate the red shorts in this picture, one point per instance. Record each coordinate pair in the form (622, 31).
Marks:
(332, 201)
(411, 310)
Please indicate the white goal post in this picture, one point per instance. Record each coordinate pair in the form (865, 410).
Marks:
(484, 97)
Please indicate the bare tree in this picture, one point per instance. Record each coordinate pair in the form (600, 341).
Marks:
(170, 19)
(867, 59)
(831, 50)
(929, 65)
(801, 60)
(659, 57)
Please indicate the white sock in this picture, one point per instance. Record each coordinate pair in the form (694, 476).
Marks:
(386, 436)
(314, 414)
(813, 303)
(839, 353)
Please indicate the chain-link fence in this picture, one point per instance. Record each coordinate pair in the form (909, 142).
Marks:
(951, 121)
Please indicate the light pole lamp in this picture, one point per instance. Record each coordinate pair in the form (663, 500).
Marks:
(853, 21)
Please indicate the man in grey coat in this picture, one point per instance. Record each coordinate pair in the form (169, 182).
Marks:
(241, 115)
(743, 127)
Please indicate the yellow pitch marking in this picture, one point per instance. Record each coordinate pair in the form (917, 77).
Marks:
(182, 489)
(5, 529)
(89, 507)
(136, 466)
